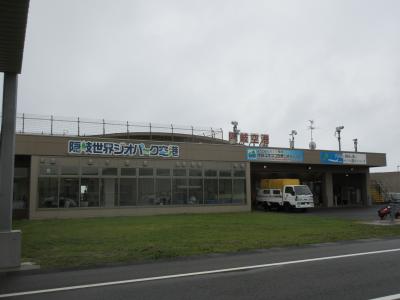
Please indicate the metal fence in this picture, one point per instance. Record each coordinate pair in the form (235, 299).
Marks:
(66, 126)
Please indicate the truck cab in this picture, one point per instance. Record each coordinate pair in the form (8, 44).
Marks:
(297, 196)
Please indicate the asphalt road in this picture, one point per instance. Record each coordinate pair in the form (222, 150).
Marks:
(310, 272)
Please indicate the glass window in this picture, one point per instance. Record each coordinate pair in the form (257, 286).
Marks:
(127, 191)
(90, 171)
(302, 190)
(289, 190)
(195, 191)
(145, 172)
(69, 192)
(239, 191)
(48, 192)
(210, 191)
(179, 188)
(210, 173)
(179, 172)
(128, 172)
(163, 191)
(110, 171)
(163, 172)
(109, 192)
(225, 173)
(89, 192)
(69, 170)
(195, 172)
(48, 170)
(146, 191)
(239, 173)
(225, 191)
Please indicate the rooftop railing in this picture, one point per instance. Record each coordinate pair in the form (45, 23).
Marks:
(67, 126)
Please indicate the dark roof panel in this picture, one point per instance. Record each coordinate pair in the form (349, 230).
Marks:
(13, 18)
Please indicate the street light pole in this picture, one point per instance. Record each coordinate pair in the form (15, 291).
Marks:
(10, 240)
(7, 149)
(355, 145)
(13, 20)
(337, 132)
(291, 141)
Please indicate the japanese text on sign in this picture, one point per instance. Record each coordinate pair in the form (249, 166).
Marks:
(244, 137)
(264, 140)
(122, 149)
(254, 138)
(277, 155)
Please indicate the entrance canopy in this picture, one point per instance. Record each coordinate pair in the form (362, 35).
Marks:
(336, 178)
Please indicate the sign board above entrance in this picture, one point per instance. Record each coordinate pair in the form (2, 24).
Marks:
(354, 158)
(274, 155)
(344, 158)
(122, 149)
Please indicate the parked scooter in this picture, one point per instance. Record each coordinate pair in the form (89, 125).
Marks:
(385, 211)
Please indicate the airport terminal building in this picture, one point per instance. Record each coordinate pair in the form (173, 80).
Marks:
(116, 175)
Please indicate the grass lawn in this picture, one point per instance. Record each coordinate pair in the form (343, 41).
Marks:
(84, 242)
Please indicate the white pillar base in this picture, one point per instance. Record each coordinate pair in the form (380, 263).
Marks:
(10, 249)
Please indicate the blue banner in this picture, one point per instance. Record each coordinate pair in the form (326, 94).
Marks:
(331, 158)
(274, 155)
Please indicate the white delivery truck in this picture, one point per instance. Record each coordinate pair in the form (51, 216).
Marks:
(284, 193)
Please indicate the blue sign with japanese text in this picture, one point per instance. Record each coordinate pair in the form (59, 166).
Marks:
(331, 157)
(344, 158)
(122, 149)
(277, 155)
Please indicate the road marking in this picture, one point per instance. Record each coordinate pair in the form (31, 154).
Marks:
(111, 283)
(390, 297)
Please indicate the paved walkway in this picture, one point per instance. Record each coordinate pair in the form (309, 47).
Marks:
(355, 213)
(367, 215)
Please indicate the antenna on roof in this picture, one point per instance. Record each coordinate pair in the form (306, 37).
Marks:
(233, 136)
(355, 141)
(312, 145)
(291, 140)
(337, 134)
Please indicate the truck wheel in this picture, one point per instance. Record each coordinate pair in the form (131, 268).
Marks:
(266, 207)
(287, 207)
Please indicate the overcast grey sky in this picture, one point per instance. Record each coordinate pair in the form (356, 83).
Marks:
(271, 65)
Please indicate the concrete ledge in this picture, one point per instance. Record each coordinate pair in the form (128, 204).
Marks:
(25, 266)
(10, 249)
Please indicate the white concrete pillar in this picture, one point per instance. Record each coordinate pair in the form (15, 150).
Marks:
(10, 240)
(328, 190)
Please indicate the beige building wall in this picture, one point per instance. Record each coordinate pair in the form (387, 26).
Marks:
(45, 149)
(390, 180)
(41, 147)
